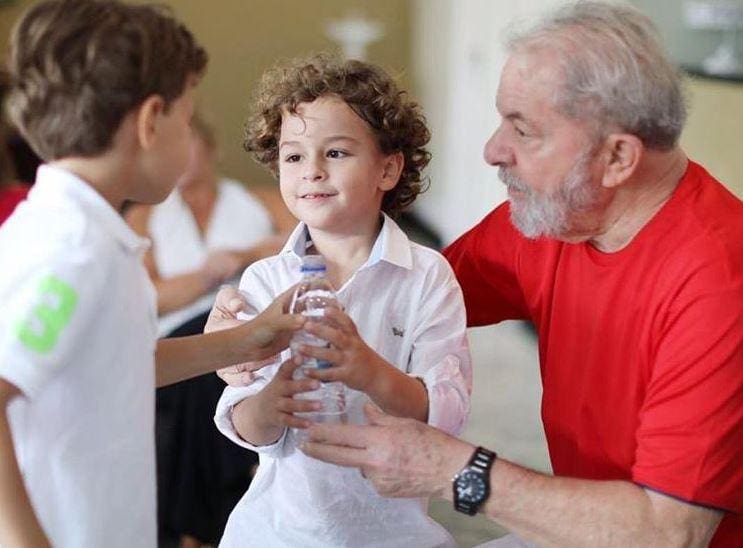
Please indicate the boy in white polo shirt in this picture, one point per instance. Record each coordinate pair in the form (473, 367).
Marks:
(104, 92)
(348, 147)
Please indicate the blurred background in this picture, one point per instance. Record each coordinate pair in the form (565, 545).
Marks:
(449, 53)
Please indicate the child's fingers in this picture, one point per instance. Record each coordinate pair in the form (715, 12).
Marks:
(334, 336)
(332, 355)
(291, 387)
(340, 319)
(329, 374)
(294, 405)
(286, 369)
(236, 378)
(290, 421)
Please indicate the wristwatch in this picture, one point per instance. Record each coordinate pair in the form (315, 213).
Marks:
(472, 483)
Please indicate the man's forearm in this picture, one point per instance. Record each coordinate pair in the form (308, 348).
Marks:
(18, 523)
(556, 511)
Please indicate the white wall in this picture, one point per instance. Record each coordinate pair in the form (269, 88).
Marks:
(457, 57)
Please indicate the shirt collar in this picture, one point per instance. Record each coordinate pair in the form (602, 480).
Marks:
(58, 186)
(391, 245)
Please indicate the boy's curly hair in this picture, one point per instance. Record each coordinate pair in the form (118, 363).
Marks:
(372, 94)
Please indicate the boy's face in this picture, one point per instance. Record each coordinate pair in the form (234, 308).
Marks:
(332, 172)
(169, 157)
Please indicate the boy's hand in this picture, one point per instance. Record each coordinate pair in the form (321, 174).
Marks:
(354, 363)
(277, 401)
(243, 374)
(270, 332)
(228, 304)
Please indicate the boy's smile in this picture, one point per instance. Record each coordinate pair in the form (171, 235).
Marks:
(332, 172)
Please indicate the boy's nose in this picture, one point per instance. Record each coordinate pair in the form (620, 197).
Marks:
(314, 172)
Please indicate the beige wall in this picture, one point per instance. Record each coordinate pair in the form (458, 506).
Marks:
(714, 132)
(244, 37)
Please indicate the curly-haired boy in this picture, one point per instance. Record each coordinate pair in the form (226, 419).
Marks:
(348, 148)
(103, 91)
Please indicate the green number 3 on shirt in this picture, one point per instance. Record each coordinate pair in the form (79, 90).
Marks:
(41, 329)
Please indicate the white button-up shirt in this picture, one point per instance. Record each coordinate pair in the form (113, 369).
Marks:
(77, 338)
(408, 307)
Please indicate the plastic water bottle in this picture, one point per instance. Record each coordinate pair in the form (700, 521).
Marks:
(313, 296)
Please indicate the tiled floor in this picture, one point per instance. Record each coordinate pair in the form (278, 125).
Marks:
(504, 417)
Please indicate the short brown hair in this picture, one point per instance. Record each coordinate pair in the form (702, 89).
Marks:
(78, 67)
(372, 94)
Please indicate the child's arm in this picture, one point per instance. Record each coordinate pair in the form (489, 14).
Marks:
(439, 362)
(264, 336)
(18, 523)
(359, 367)
(261, 419)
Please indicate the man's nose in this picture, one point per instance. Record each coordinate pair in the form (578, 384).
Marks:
(496, 151)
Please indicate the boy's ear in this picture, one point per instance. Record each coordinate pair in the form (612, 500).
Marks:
(147, 117)
(393, 165)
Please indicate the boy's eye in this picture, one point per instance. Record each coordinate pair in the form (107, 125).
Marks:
(335, 153)
(291, 158)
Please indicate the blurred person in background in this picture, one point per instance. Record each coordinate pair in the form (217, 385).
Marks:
(206, 232)
(18, 163)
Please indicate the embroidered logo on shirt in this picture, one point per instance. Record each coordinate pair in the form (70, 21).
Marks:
(41, 329)
(397, 332)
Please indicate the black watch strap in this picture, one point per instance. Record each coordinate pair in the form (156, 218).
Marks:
(481, 462)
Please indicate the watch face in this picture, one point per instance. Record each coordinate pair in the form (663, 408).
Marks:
(471, 486)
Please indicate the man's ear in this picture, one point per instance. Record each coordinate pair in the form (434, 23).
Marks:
(147, 116)
(393, 165)
(623, 153)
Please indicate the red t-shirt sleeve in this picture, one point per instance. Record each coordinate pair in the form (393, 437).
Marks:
(485, 261)
(10, 197)
(690, 436)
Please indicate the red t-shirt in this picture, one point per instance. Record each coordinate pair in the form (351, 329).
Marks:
(10, 197)
(641, 350)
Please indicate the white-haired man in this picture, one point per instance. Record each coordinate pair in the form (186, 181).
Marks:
(628, 258)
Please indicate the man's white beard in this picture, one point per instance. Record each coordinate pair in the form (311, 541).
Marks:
(537, 214)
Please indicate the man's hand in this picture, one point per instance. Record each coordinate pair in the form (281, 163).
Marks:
(355, 364)
(401, 457)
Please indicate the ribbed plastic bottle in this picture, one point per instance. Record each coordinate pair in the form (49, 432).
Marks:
(313, 296)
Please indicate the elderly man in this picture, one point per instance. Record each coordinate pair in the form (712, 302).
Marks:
(628, 258)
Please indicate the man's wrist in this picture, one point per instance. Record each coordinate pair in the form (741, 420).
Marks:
(471, 486)
(458, 455)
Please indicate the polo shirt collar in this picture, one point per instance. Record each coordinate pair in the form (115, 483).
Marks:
(57, 186)
(391, 245)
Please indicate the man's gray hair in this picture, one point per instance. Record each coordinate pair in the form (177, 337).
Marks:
(617, 75)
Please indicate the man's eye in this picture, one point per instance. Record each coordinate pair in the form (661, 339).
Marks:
(335, 153)
(519, 131)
